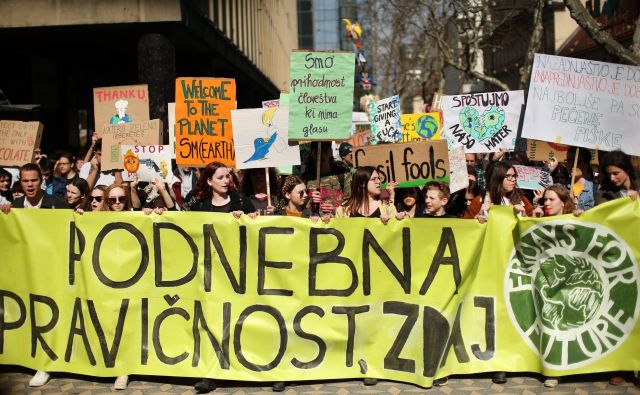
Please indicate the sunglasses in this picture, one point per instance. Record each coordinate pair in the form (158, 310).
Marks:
(302, 193)
(117, 199)
(97, 198)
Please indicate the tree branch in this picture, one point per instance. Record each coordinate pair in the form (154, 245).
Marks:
(580, 14)
(534, 45)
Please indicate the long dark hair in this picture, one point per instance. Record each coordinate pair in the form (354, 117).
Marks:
(401, 193)
(496, 193)
(203, 189)
(84, 189)
(617, 159)
(246, 185)
(359, 198)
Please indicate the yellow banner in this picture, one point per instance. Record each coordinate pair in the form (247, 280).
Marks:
(206, 295)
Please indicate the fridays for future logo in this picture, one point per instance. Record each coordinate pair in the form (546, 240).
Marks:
(572, 291)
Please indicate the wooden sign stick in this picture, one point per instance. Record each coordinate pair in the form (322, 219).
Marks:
(266, 174)
(573, 171)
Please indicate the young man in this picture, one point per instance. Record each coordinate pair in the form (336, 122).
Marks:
(34, 197)
(63, 174)
(436, 197)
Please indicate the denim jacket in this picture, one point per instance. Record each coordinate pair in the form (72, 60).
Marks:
(587, 199)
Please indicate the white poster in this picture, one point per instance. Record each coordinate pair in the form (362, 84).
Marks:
(384, 116)
(458, 176)
(482, 122)
(148, 162)
(260, 138)
(584, 103)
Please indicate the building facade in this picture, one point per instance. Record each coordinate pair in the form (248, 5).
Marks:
(56, 52)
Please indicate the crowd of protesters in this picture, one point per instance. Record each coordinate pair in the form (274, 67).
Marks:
(66, 181)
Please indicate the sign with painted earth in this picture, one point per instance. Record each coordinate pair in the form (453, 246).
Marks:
(575, 286)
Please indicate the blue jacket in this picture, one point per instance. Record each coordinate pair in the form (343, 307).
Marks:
(587, 198)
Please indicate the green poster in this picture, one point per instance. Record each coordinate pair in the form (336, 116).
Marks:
(321, 95)
(284, 99)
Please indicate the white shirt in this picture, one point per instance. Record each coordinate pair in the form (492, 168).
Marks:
(105, 179)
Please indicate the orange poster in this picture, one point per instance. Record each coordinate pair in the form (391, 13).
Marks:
(203, 121)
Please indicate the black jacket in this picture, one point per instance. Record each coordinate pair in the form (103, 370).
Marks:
(48, 201)
(239, 202)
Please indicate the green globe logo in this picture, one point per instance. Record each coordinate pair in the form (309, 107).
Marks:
(572, 291)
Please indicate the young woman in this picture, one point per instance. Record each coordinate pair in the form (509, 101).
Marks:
(77, 194)
(409, 201)
(97, 198)
(5, 185)
(364, 200)
(617, 178)
(214, 193)
(294, 198)
(254, 186)
(556, 201)
(16, 190)
(117, 198)
(501, 191)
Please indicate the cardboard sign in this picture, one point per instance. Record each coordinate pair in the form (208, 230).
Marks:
(459, 177)
(120, 104)
(359, 139)
(532, 177)
(384, 116)
(584, 103)
(203, 121)
(321, 95)
(542, 150)
(260, 138)
(420, 127)
(134, 133)
(148, 162)
(18, 141)
(408, 164)
(482, 122)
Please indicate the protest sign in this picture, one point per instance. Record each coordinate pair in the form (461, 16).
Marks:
(359, 139)
(530, 177)
(147, 162)
(542, 150)
(18, 140)
(203, 121)
(120, 104)
(459, 177)
(384, 116)
(408, 164)
(320, 95)
(206, 295)
(284, 99)
(271, 103)
(585, 103)
(482, 122)
(420, 127)
(134, 133)
(260, 138)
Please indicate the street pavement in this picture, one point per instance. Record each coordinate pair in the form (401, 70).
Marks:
(15, 380)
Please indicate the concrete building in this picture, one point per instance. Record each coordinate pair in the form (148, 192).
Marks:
(56, 52)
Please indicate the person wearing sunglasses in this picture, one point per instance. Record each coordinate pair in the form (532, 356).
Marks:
(96, 199)
(294, 198)
(117, 198)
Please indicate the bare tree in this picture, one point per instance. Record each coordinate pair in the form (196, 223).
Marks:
(580, 14)
(416, 40)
